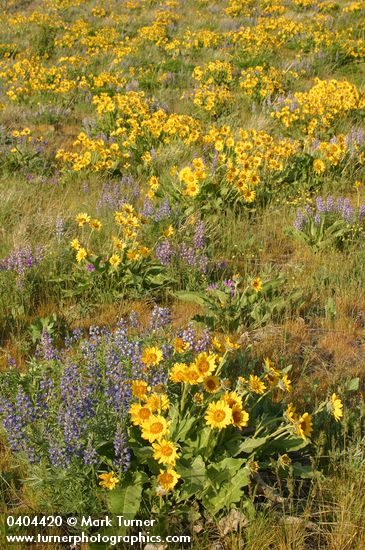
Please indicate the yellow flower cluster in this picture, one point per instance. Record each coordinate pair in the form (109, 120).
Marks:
(124, 246)
(133, 123)
(317, 109)
(192, 176)
(147, 413)
(262, 81)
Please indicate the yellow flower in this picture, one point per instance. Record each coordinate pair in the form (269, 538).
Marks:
(218, 146)
(253, 465)
(165, 452)
(133, 255)
(284, 461)
(180, 346)
(82, 219)
(114, 260)
(319, 166)
(128, 208)
(239, 416)
(230, 344)
(218, 344)
(108, 481)
(120, 245)
(256, 385)
(232, 398)
(169, 231)
(140, 389)
(336, 407)
(139, 414)
(81, 254)
(198, 398)
(268, 363)
(155, 428)
(291, 413)
(192, 375)
(158, 402)
(205, 364)
(178, 372)
(257, 284)
(75, 244)
(218, 415)
(272, 376)
(249, 195)
(95, 224)
(154, 183)
(285, 383)
(167, 480)
(151, 356)
(304, 427)
(192, 189)
(212, 384)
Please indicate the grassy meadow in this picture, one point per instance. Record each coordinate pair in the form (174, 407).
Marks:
(182, 305)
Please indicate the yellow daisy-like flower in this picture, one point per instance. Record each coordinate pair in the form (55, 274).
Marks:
(95, 224)
(151, 356)
(155, 428)
(82, 219)
(319, 166)
(218, 344)
(180, 346)
(118, 243)
(139, 414)
(219, 145)
(205, 363)
(336, 407)
(75, 244)
(198, 398)
(128, 208)
(304, 427)
(212, 384)
(269, 364)
(257, 284)
(133, 255)
(253, 465)
(81, 254)
(192, 189)
(232, 398)
(219, 415)
(272, 376)
(178, 372)
(154, 183)
(108, 481)
(230, 344)
(165, 452)
(158, 402)
(140, 389)
(169, 231)
(239, 416)
(168, 479)
(284, 461)
(249, 195)
(291, 413)
(192, 375)
(285, 383)
(256, 385)
(114, 260)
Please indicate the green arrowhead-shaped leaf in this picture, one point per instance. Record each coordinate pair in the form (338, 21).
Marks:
(194, 477)
(126, 499)
(248, 445)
